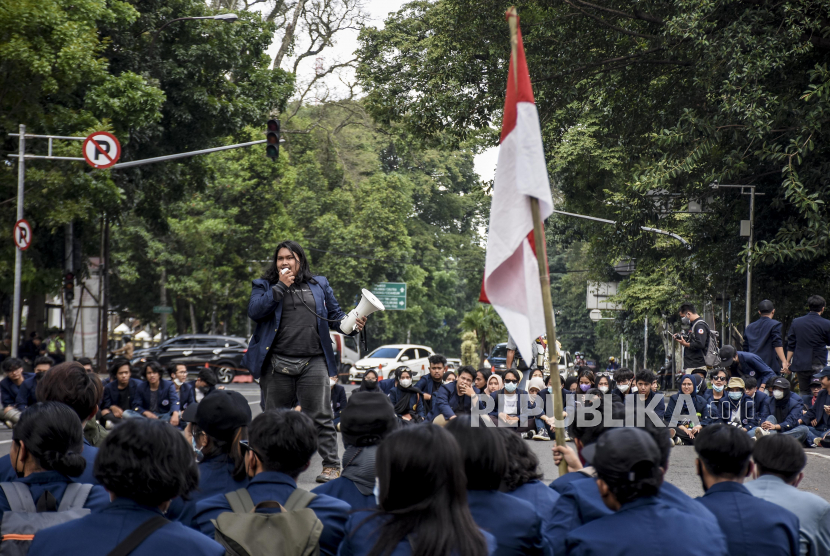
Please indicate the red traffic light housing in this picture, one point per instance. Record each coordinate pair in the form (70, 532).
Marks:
(272, 138)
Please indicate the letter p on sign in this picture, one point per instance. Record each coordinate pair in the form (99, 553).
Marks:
(101, 150)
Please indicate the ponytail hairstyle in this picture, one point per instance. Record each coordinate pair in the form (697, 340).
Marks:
(217, 447)
(304, 272)
(52, 434)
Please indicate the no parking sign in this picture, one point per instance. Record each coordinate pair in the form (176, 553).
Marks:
(101, 149)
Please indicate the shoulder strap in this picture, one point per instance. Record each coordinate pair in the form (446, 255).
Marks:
(74, 497)
(299, 499)
(138, 536)
(240, 501)
(19, 497)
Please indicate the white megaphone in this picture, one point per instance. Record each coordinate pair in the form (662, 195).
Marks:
(368, 305)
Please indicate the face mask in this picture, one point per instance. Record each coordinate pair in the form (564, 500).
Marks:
(370, 384)
(178, 382)
(778, 394)
(333, 381)
(584, 387)
(717, 388)
(634, 389)
(198, 451)
(685, 321)
(603, 389)
(204, 389)
(623, 387)
(376, 491)
(550, 389)
(510, 387)
(735, 396)
(406, 382)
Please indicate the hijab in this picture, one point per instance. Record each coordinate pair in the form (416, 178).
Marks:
(402, 406)
(364, 386)
(500, 383)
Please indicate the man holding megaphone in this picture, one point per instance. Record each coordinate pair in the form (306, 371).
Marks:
(290, 352)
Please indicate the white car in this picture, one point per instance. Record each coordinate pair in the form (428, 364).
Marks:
(386, 359)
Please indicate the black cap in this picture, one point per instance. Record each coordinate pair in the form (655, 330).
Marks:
(766, 306)
(727, 354)
(367, 418)
(781, 382)
(221, 412)
(626, 455)
(824, 372)
(189, 413)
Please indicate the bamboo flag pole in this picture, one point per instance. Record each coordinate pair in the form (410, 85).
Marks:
(544, 278)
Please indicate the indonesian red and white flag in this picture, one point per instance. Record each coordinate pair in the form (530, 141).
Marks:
(511, 272)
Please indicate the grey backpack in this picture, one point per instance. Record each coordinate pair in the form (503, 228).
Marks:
(295, 531)
(24, 520)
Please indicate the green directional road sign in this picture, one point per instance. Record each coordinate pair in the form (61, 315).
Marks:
(162, 309)
(391, 294)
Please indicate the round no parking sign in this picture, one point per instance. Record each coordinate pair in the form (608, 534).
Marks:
(101, 149)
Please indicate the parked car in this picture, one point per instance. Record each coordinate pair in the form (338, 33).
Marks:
(386, 359)
(498, 358)
(453, 364)
(223, 353)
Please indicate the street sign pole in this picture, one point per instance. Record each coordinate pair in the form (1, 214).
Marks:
(18, 254)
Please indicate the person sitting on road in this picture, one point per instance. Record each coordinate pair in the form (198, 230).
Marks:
(482, 374)
(184, 389)
(281, 444)
(604, 384)
(456, 398)
(204, 384)
(539, 396)
(119, 394)
(629, 480)
(494, 384)
(369, 383)
(752, 525)
(156, 398)
(785, 413)
(779, 465)
(512, 405)
(46, 454)
(9, 387)
(685, 430)
(760, 399)
(143, 464)
(817, 418)
(450, 376)
(644, 380)
(423, 505)
(338, 401)
(702, 387)
(809, 399)
(365, 422)
(406, 399)
(735, 409)
(522, 479)
(431, 382)
(585, 381)
(718, 392)
(26, 393)
(623, 381)
(514, 522)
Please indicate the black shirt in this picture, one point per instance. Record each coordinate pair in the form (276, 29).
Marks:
(694, 355)
(297, 335)
(124, 397)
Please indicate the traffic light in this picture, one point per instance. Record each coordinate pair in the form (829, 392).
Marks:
(69, 286)
(272, 137)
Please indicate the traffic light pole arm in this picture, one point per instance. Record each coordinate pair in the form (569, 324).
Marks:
(132, 163)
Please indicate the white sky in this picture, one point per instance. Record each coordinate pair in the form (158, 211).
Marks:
(343, 49)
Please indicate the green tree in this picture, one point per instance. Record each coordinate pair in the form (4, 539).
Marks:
(487, 326)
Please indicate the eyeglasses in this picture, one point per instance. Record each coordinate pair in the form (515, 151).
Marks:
(245, 446)
(510, 381)
(719, 379)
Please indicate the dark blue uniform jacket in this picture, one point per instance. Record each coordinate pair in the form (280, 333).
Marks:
(344, 489)
(168, 400)
(112, 395)
(808, 339)
(761, 338)
(9, 390)
(56, 484)
(7, 473)
(447, 402)
(514, 523)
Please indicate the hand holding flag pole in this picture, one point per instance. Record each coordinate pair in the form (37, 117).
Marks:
(541, 257)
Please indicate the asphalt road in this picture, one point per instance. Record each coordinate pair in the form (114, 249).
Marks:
(681, 466)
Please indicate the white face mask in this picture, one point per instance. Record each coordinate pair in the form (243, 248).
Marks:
(177, 381)
(406, 382)
(633, 389)
(603, 389)
(623, 387)
(778, 394)
(717, 388)
(333, 381)
(376, 491)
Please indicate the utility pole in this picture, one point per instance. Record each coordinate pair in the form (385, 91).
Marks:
(18, 254)
(69, 292)
(645, 347)
(163, 303)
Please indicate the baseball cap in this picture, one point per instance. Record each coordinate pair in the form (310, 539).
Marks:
(736, 382)
(815, 381)
(221, 412)
(626, 455)
(765, 306)
(824, 372)
(189, 413)
(727, 354)
(367, 418)
(781, 382)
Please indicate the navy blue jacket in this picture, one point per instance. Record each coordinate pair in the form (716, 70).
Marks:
(659, 409)
(817, 411)
(416, 402)
(514, 522)
(762, 402)
(26, 393)
(168, 400)
(753, 526)
(215, 477)
(719, 412)
(647, 526)
(338, 400)
(699, 407)
(9, 390)
(808, 401)
(761, 338)
(277, 487)
(267, 313)
(101, 531)
(808, 339)
(7, 473)
(792, 408)
(581, 503)
(56, 483)
(187, 394)
(542, 499)
(750, 364)
(522, 395)
(363, 532)
(112, 395)
(344, 489)
(386, 385)
(447, 402)
(426, 385)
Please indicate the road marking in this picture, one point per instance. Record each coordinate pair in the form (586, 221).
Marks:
(249, 403)
(817, 454)
(4, 441)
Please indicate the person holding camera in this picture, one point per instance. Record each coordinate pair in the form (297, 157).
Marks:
(695, 343)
